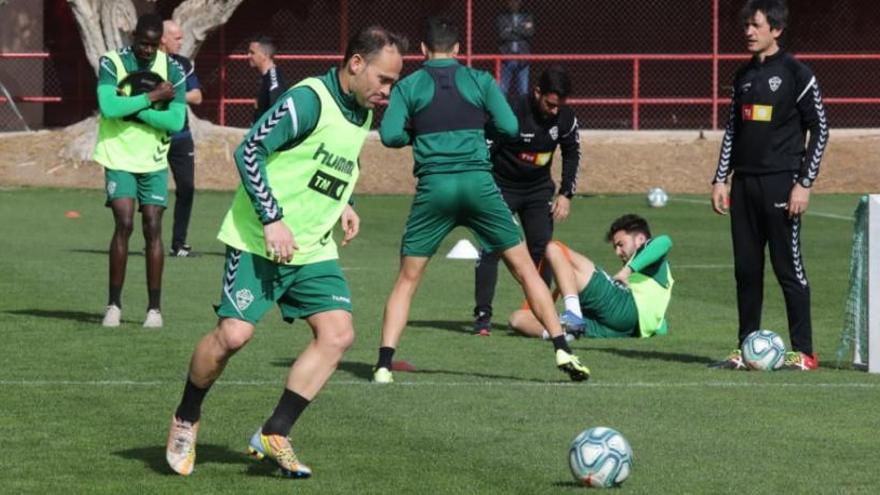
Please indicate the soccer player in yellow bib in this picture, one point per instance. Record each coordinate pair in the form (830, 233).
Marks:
(141, 97)
(298, 166)
(630, 303)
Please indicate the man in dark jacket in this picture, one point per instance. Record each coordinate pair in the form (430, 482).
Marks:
(776, 99)
(521, 167)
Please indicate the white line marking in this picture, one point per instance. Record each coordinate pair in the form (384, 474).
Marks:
(809, 212)
(494, 383)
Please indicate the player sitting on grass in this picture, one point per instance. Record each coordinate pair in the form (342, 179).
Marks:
(632, 303)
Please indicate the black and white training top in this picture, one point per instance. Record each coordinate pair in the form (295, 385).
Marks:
(524, 163)
(774, 103)
(271, 87)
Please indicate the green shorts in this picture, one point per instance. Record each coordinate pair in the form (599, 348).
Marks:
(149, 188)
(469, 199)
(608, 307)
(253, 284)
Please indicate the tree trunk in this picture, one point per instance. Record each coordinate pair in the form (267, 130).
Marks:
(197, 18)
(106, 25)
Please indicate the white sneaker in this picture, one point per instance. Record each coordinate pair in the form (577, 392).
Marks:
(154, 319)
(112, 316)
(383, 375)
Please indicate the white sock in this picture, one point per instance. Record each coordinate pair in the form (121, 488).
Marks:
(545, 335)
(573, 304)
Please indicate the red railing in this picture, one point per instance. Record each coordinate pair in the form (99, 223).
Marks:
(635, 101)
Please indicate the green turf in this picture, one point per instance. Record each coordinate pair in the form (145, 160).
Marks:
(85, 409)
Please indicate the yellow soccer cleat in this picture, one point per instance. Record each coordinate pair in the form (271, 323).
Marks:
(382, 375)
(180, 451)
(570, 364)
(278, 448)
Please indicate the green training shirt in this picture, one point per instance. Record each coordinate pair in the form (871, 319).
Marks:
(651, 284)
(298, 164)
(449, 151)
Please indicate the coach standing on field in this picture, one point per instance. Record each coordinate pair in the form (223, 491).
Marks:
(775, 100)
(181, 155)
(521, 168)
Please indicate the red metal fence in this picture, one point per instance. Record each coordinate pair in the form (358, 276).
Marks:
(635, 64)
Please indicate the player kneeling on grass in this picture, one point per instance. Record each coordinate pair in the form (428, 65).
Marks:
(632, 303)
(298, 166)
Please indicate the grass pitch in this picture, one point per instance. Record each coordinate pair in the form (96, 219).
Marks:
(85, 409)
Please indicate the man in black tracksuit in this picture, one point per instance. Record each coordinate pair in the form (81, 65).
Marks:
(776, 99)
(261, 51)
(522, 170)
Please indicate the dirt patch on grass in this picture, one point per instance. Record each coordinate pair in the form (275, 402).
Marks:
(613, 162)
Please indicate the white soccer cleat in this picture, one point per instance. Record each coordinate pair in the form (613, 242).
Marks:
(112, 316)
(180, 450)
(154, 319)
(383, 375)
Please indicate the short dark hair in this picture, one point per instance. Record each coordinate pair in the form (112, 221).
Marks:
(149, 23)
(555, 80)
(441, 34)
(775, 11)
(371, 40)
(629, 223)
(266, 43)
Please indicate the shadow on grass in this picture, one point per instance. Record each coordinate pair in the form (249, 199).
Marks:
(568, 484)
(364, 371)
(452, 326)
(59, 314)
(154, 457)
(677, 357)
(104, 252)
(359, 370)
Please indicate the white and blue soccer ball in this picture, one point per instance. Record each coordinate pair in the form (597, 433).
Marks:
(600, 457)
(763, 350)
(657, 197)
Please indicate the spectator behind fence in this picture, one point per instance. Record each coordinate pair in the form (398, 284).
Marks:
(260, 56)
(141, 100)
(515, 29)
(181, 154)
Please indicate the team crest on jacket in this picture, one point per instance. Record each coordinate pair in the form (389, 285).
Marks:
(554, 132)
(775, 82)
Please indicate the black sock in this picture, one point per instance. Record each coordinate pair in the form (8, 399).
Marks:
(190, 408)
(560, 343)
(289, 407)
(155, 296)
(115, 296)
(385, 355)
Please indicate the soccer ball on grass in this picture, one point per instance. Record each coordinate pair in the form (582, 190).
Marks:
(657, 197)
(763, 350)
(600, 457)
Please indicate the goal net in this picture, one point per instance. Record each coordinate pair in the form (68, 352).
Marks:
(861, 326)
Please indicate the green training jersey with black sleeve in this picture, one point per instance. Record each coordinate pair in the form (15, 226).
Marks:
(136, 145)
(651, 284)
(446, 151)
(298, 164)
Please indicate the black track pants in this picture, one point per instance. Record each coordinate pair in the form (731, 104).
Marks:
(533, 210)
(182, 162)
(758, 217)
